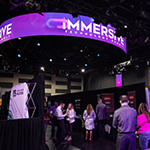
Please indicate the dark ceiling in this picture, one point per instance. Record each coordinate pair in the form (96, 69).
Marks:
(135, 14)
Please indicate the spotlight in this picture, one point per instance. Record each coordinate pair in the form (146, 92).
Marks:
(19, 55)
(38, 44)
(19, 38)
(98, 55)
(85, 65)
(125, 26)
(50, 60)
(77, 65)
(81, 50)
(65, 59)
(1, 55)
(67, 74)
(25, 58)
(85, 46)
(42, 68)
(82, 70)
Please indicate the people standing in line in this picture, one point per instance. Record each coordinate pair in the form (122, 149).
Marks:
(60, 123)
(89, 116)
(125, 121)
(101, 116)
(69, 121)
(143, 127)
(46, 120)
(53, 118)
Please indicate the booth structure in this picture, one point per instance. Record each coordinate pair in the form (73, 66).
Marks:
(110, 97)
(26, 134)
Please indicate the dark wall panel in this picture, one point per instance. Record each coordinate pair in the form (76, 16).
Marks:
(6, 84)
(8, 75)
(61, 83)
(75, 80)
(76, 87)
(48, 86)
(61, 91)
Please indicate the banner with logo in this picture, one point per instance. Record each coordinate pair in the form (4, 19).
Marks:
(108, 100)
(78, 104)
(18, 99)
(132, 99)
(61, 24)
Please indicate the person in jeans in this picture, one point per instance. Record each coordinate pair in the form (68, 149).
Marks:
(53, 118)
(101, 117)
(125, 121)
(70, 120)
(143, 127)
(89, 116)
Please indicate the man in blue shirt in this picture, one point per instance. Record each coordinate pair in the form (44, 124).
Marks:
(101, 117)
(125, 121)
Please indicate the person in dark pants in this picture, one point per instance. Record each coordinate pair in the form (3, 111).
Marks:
(125, 121)
(60, 123)
(101, 116)
(53, 118)
(69, 121)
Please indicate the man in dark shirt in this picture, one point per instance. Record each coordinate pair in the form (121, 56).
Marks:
(53, 118)
(101, 116)
(125, 121)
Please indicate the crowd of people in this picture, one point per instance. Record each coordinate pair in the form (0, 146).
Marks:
(125, 120)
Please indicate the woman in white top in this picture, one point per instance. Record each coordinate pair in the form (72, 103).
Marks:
(89, 116)
(70, 120)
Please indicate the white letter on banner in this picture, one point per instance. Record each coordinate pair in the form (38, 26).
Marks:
(83, 26)
(0, 33)
(122, 41)
(76, 25)
(3, 31)
(104, 30)
(96, 28)
(111, 33)
(9, 28)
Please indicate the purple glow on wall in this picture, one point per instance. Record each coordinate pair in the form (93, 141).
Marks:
(60, 24)
(118, 80)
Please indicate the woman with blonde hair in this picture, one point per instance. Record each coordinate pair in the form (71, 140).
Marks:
(69, 121)
(89, 116)
(143, 127)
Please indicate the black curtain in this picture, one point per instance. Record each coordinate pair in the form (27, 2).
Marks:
(26, 134)
(91, 96)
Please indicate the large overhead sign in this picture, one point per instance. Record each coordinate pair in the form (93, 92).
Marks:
(60, 24)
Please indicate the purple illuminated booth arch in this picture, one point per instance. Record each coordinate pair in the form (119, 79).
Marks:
(59, 24)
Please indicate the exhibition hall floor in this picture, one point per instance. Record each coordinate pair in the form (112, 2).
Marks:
(78, 143)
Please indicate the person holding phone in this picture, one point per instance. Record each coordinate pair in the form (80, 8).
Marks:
(70, 120)
(53, 118)
(60, 122)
